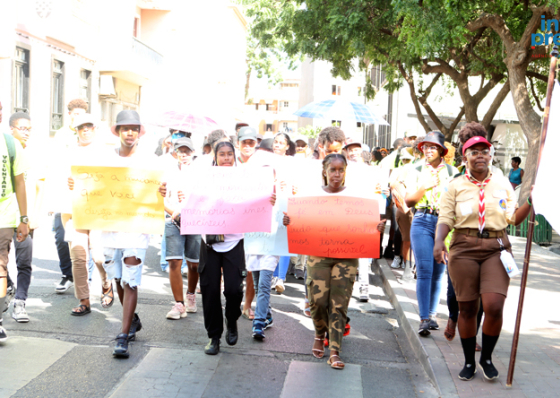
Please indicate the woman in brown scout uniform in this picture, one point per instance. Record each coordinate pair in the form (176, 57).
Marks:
(479, 206)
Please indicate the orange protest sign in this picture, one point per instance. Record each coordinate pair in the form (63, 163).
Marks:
(334, 226)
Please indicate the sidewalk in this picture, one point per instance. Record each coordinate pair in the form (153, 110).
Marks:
(537, 370)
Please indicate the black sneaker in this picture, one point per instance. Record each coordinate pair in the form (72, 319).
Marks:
(433, 324)
(3, 334)
(121, 348)
(231, 333)
(65, 283)
(135, 326)
(468, 372)
(489, 370)
(213, 347)
(299, 274)
(424, 329)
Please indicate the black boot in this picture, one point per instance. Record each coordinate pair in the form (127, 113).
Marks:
(213, 347)
(231, 333)
(121, 348)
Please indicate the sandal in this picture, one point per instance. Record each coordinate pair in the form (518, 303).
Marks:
(307, 309)
(317, 353)
(248, 314)
(334, 363)
(81, 310)
(109, 295)
(450, 330)
(478, 347)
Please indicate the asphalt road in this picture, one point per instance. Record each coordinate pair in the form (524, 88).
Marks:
(57, 354)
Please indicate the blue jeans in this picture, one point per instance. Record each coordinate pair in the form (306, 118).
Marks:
(428, 272)
(282, 268)
(262, 281)
(62, 248)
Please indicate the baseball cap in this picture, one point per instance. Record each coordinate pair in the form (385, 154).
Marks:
(475, 141)
(247, 133)
(183, 141)
(84, 119)
(267, 144)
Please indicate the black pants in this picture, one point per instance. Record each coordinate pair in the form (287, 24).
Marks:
(24, 256)
(210, 268)
(62, 248)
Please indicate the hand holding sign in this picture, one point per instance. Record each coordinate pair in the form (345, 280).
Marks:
(333, 226)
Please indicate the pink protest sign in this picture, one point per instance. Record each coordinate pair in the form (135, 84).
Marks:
(229, 200)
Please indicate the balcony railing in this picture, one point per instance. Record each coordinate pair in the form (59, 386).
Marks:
(146, 53)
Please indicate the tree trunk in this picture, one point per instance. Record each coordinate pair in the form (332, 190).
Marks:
(529, 120)
(249, 70)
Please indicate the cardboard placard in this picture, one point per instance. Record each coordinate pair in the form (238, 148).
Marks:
(229, 200)
(334, 226)
(118, 199)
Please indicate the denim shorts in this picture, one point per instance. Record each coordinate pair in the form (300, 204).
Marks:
(117, 269)
(178, 245)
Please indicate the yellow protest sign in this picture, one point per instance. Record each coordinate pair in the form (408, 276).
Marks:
(117, 199)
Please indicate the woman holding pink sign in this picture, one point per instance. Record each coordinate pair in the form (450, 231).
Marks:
(222, 254)
(330, 280)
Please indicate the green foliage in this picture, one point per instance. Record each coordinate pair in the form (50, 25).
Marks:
(309, 131)
(389, 32)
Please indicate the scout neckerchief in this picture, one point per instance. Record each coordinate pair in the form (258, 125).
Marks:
(481, 205)
(434, 195)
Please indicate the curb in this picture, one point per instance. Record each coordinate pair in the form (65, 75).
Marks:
(426, 350)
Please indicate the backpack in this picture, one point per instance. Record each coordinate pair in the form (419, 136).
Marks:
(12, 154)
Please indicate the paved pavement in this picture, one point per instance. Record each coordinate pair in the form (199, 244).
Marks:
(56, 354)
(537, 371)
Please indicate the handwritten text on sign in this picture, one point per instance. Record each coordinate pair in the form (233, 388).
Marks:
(117, 199)
(229, 200)
(334, 226)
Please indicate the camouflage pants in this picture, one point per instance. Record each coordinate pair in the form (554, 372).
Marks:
(329, 283)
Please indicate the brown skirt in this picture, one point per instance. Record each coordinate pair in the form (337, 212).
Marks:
(475, 266)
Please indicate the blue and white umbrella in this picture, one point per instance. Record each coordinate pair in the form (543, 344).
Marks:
(338, 109)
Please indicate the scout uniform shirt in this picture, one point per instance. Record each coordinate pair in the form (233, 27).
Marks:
(459, 205)
(432, 197)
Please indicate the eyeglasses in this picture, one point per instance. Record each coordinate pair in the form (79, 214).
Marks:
(475, 153)
(429, 148)
(28, 129)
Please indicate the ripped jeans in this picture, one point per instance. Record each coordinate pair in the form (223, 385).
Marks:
(117, 269)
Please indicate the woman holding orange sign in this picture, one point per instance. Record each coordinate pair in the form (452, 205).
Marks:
(330, 280)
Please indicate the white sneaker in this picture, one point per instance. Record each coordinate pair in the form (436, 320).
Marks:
(280, 286)
(19, 313)
(191, 303)
(397, 262)
(364, 295)
(177, 312)
(273, 282)
(64, 284)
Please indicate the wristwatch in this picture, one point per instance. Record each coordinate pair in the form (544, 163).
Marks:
(24, 219)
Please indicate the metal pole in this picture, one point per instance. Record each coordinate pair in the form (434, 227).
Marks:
(530, 231)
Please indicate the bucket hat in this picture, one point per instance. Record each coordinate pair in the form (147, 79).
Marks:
(434, 137)
(126, 118)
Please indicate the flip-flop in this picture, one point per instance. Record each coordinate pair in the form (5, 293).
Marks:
(248, 314)
(110, 295)
(83, 310)
(449, 332)
(317, 353)
(334, 363)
